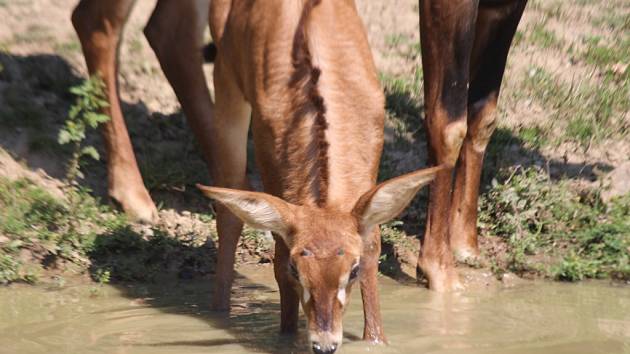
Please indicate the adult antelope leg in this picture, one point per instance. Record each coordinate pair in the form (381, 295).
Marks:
(228, 162)
(496, 25)
(447, 33)
(175, 32)
(99, 25)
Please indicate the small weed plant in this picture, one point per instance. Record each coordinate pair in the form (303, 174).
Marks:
(84, 114)
(39, 229)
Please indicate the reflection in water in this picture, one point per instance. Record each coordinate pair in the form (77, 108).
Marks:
(538, 317)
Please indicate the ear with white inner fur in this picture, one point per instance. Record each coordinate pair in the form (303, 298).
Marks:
(259, 210)
(388, 199)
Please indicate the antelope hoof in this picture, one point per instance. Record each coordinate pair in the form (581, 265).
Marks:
(137, 204)
(375, 339)
(441, 279)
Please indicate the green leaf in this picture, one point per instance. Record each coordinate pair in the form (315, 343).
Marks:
(63, 137)
(91, 152)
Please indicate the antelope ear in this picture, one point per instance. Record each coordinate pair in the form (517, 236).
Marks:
(259, 210)
(386, 200)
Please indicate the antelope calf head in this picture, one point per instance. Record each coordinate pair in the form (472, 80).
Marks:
(325, 244)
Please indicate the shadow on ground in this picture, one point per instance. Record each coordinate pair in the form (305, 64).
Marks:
(506, 148)
(35, 100)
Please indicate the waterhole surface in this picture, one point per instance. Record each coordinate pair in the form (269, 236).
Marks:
(173, 317)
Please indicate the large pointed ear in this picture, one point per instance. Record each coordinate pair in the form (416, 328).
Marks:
(388, 199)
(258, 210)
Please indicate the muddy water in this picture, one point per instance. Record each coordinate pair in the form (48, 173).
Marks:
(539, 317)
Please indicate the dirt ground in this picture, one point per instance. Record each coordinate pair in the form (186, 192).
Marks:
(40, 58)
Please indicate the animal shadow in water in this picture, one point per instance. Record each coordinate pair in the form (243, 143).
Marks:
(176, 278)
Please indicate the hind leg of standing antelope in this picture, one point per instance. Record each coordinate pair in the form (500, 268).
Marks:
(178, 47)
(496, 25)
(228, 162)
(99, 25)
(447, 33)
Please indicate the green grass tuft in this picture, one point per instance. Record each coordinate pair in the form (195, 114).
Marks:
(33, 220)
(590, 112)
(543, 221)
(539, 36)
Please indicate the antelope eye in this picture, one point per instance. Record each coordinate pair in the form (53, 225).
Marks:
(354, 272)
(293, 271)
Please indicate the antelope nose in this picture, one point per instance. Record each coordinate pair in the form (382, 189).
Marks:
(319, 349)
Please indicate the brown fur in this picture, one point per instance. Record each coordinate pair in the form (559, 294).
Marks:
(309, 104)
(304, 108)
